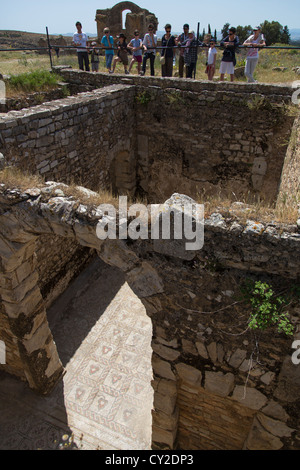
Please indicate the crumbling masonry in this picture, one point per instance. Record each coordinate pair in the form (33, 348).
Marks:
(205, 394)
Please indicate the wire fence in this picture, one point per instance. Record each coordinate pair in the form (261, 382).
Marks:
(200, 46)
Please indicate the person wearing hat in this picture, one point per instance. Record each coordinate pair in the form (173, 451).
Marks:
(230, 44)
(122, 54)
(94, 57)
(108, 42)
(253, 42)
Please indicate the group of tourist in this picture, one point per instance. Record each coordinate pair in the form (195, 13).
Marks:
(141, 50)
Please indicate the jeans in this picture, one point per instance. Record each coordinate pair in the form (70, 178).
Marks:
(83, 57)
(151, 56)
(108, 60)
(249, 69)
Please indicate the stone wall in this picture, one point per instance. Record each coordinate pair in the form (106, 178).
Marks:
(289, 190)
(58, 262)
(171, 135)
(217, 384)
(71, 140)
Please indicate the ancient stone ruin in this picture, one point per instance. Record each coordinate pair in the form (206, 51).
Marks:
(139, 18)
(217, 384)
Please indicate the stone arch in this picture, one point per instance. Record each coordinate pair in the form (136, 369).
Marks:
(188, 374)
(112, 17)
(123, 173)
(23, 312)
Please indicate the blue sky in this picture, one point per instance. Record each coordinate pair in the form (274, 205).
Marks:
(60, 15)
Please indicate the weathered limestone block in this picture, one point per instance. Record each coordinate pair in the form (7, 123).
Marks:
(164, 420)
(219, 383)
(14, 254)
(29, 304)
(165, 352)
(202, 349)
(260, 439)
(249, 397)
(144, 280)
(17, 294)
(276, 411)
(12, 279)
(162, 368)
(165, 396)
(237, 358)
(275, 427)
(116, 253)
(189, 347)
(86, 235)
(212, 351)
(288, 382)
(189, 375)
(180, 211)
(38, 339)
(163, 437)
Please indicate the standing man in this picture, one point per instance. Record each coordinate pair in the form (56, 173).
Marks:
(181, 40)
(150, 43)
(108, 42)
(80, 40)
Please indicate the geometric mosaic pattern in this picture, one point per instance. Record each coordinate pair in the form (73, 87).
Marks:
(104, 401)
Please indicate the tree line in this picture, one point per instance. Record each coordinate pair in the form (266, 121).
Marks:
(273, 31)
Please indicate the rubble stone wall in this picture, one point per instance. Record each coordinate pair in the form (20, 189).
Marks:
(71, 140)
(180, 136)
(217, 384)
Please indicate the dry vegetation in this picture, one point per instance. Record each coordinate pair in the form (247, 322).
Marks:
(243, 209)
(20, 62)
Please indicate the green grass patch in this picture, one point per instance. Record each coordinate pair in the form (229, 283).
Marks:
(38, 80)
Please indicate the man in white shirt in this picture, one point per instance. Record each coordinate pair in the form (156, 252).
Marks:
(80, 40)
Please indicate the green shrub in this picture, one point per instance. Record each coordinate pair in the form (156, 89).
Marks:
(34, 81)
(267, 308)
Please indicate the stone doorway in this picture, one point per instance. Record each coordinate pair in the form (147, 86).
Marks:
(104, 401)
(107, 358)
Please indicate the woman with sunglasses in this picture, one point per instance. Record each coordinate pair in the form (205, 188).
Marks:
(167, 41)
(254, 41)
(150, 43)
(231, 43)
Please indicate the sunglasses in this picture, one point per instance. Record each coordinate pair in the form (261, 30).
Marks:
(168, 30)
(136, 34)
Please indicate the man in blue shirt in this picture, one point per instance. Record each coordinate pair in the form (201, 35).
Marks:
(108, 42)
(80, 40)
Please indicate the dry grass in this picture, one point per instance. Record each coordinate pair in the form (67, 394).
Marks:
(18, 62)
(246, 207)
(242, 209)
(15, 179)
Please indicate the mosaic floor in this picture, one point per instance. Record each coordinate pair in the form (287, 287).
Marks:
(103, 338)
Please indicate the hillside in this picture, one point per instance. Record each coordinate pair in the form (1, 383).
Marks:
(18, 39)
